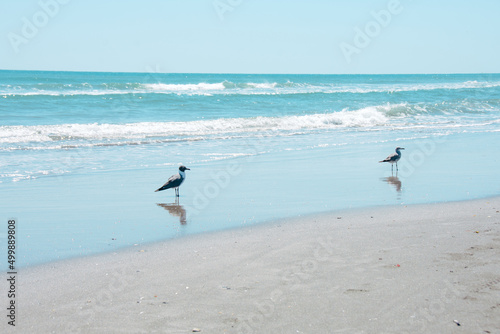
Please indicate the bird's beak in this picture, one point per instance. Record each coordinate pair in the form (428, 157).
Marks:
(402, 148)
(188, 168)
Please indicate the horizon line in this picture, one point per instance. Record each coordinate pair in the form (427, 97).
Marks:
(248, 73)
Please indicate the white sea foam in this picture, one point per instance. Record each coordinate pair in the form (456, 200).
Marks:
(185, 87)
(63, 136)
(230, 88)
(65, 92)
(262, 85)
(251, 88)
(66, 136)
(366, 117)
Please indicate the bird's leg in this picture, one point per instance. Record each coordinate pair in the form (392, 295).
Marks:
(177, 192)
(397, 166)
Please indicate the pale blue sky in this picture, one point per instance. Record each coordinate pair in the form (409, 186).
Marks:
(251, 36)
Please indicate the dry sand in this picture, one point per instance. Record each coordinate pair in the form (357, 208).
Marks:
(412, 269)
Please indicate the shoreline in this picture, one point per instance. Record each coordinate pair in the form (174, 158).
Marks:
(263, 224)
(395, 269)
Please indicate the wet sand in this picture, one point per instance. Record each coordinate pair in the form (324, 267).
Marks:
(431, 268)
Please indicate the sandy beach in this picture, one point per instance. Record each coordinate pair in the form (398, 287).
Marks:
(341, 172)
(431, 268)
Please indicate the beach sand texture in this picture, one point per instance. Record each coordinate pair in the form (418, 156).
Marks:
(394, 269)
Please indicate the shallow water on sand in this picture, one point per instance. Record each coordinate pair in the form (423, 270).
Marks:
(81, 154)
(84, 214)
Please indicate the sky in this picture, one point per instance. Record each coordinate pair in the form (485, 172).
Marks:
(251, 36)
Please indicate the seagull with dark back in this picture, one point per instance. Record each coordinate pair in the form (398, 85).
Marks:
(394, 158)
(175, 181)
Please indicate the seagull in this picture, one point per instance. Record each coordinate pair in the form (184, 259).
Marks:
(175, 181)
(394, 158)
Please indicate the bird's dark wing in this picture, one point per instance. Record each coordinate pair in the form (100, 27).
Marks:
(392, 157)
(173, 181)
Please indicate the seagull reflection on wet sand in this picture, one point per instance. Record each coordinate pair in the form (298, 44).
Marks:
(175, 210)
(393, 180)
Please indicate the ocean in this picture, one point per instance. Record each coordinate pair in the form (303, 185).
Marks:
(82, 153)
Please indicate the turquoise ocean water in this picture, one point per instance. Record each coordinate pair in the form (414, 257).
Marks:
(82, 153)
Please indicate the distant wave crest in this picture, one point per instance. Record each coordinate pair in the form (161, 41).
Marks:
(232, 88)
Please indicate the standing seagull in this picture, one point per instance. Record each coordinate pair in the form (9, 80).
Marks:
(175, 181)
(394, 158)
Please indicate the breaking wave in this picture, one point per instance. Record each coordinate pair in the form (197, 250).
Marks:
(366, 117)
